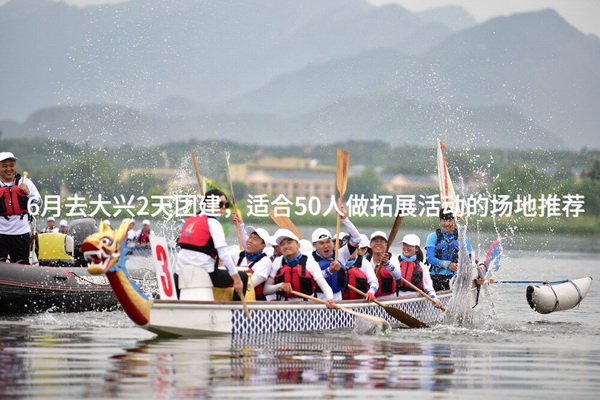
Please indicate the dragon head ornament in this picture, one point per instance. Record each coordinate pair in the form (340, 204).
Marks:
(101, 250)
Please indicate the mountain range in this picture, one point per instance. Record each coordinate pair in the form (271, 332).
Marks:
(277, 71)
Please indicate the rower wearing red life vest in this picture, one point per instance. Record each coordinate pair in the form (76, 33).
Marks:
(295, 271)
(361, 273)
(413, 269)
(16, 195)
(387, 269)
(142, 236)
(203, 245)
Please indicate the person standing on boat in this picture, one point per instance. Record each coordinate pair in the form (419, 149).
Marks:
(50, 226)
(131, 233)
(387, 269)
(442, 251)
(203, 245)
(295, 271)
(334, 271)
(142, 237)
(413, 270)
(16, 194)
(360, 273)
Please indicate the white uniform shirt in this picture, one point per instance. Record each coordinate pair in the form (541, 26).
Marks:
(199, 259)
(311, 266)
(261, 271)
(15, 225)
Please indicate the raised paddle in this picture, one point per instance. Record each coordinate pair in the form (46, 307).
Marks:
(400, 315)
(284, 222)
(235, 209)
(371, 318)
(341, 182)
(197, 171)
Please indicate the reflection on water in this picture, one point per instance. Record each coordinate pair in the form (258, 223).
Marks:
(520, 354)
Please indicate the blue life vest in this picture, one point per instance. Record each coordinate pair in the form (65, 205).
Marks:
(447, 249)
(337, 280)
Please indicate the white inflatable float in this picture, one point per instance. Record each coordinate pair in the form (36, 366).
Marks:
(546, 298)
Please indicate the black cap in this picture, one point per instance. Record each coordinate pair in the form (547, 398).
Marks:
(446, 214)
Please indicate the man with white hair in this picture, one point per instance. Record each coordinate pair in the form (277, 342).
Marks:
(16, 194)
(294, 271)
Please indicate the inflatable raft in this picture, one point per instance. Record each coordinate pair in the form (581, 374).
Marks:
(549, 297)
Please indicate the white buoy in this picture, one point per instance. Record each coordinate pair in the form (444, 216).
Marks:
(547, 298)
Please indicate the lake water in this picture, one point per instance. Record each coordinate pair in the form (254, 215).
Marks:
(519, 354)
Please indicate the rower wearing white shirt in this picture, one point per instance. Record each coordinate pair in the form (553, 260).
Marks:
(295, 271)
(255, 258)
(203, 245)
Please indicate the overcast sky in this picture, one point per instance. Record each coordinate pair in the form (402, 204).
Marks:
(583, 14)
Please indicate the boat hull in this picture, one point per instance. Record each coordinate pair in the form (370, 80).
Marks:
(201, 318)
(547, 298)
(34, 289)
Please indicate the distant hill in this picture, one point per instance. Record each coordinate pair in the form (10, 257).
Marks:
(299, 70)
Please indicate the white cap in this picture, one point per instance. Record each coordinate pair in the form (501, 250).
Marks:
(320, 234)
(364, 241)
(342, 235)
(379, 233)
(106, 222)
(411, 239)
(131, 220)
(50, 219)
(282, 234)
(262, 233)
(63, 222)
(146, 222)
(7, 155)
(306, 247)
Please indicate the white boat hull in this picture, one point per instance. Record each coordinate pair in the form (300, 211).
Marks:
(197, 318)
(547, 298)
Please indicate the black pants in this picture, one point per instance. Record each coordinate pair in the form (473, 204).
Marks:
(220, 278)
(441, 282)
(15, 247)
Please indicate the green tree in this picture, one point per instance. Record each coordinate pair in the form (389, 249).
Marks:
(139, 183)
(367, 183)
(90, 175)
(523, 180)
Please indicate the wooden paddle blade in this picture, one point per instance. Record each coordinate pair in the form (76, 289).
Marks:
(285, 223)
(197, 172)
(341, 175)
(400, 315)
(395, 229)
(405, 318)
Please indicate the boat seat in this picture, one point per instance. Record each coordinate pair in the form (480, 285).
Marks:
(55, 246)
(195, 284)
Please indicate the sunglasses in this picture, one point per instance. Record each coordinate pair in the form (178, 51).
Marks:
(224, 204)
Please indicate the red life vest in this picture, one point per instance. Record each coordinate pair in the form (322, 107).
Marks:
(258, 290)
(298, 276)
(387, 283)
(144, 237)
(412, 272)
(358, 279)
(195, 235)
(13, 201)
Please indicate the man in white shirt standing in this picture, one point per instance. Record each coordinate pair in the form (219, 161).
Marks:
(16, 194)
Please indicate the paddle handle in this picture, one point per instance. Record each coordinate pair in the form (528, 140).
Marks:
(197, 172)
(363, 294)
(422, 293)
(371, 318)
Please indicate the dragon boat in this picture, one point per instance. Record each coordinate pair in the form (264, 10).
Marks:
(187, 317)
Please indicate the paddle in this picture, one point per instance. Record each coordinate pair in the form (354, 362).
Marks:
(400, 315)
(235, 209)
(371, 318)
(197, 171)
(341, 181)
(284, 222)
(422, 293)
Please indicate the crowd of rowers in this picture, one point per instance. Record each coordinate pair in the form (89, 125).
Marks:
(282, 264)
